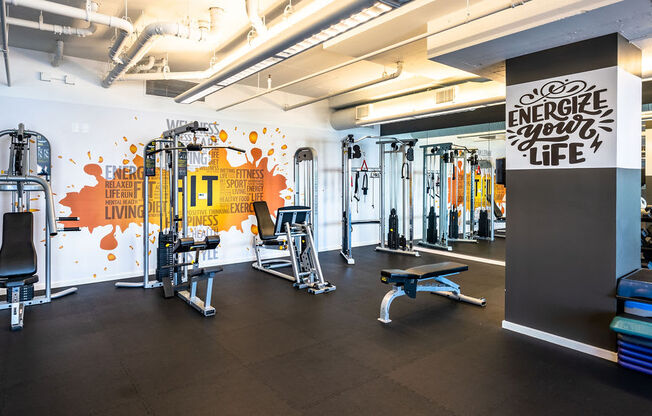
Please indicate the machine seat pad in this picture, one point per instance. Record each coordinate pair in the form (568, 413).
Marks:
(204, 270)
(427, 271)
(18, 281)
(637, 284)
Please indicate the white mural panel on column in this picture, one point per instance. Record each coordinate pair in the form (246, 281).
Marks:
(569, 122)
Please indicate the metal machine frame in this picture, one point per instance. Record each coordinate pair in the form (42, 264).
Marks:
(296, 232)
(405, 150)
(351, 151)
(306, 183)
(293, 230)
(18, 180)
(172, 157)
(437, 159)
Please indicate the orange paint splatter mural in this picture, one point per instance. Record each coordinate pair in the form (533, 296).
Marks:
(220, 195)
(253, 137)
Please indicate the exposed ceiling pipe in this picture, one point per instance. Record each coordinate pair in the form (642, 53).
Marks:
(346, 119)
(254, 17)
(447, 82)
(160, 76)
(87, 14)
(151, 60)
(5, 39)
(188, 75)
(384, 78)
(497, 8)
(452, 109)
(304, 23)
(217, 18)
(144, 43)
(56, 29)
(58, 54)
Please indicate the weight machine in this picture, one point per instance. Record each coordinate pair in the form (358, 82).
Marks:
(397, 151)
(441, 224)
(29, 153)
(294, 230)
(485, 226)
(173, 272)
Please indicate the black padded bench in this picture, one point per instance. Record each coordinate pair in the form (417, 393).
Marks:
(426, 278)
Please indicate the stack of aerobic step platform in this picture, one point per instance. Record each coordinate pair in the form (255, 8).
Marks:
(634, 326)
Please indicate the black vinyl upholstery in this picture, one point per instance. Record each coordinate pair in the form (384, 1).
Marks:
(264, 219)
(409, 278)
(17, 255)
(426, 271)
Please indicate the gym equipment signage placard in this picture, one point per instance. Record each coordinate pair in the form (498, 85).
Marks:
(563, 122)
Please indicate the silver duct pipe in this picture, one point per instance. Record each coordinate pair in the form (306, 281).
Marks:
(384, 78)
(5, 39)
(58, 54)
(333, 13)
(116, 49)
(56, 29)
(497, 9)
(144, 42)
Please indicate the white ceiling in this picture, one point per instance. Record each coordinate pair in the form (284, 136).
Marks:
(409, 20)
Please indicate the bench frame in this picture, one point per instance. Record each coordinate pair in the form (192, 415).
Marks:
(438, 285)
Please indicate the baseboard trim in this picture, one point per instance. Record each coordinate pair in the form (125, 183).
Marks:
(460, 256)
(561, 341)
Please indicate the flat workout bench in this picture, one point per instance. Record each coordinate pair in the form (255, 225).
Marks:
(406, 282)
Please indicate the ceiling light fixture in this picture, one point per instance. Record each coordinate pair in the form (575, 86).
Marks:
(336, 17)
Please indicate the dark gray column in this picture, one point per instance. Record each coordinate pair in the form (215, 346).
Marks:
(573, 174)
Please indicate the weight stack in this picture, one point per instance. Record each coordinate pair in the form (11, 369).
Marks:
(164, 256)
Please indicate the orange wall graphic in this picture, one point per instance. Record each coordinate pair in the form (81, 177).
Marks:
(220, 195)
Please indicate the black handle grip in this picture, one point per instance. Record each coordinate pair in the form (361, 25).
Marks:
(68, 219)
(70, 229)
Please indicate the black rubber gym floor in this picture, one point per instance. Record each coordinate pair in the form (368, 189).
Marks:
(274, 350)
(494, 250)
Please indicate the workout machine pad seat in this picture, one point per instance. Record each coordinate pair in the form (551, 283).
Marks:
(409, 278)
(637, 284)
(17, 255)
(427, 271)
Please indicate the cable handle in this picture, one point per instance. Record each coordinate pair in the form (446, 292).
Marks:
(405, 171)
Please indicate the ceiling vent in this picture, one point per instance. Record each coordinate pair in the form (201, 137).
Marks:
(445, 95)
(362, 111)
(167, 88)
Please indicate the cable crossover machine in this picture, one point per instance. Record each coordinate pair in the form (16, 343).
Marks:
(442, 213)
(395, 159)
(294, 230)
(29, 171)
(176, 273)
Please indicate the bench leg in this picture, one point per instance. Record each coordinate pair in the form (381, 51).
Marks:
(386, 303)
(462, 298)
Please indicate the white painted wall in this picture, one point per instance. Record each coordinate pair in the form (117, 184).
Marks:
(85, 117)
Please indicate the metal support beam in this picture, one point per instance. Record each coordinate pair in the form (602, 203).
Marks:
(5, 39)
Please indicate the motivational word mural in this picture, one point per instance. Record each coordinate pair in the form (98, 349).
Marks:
(220, 192)
(562, 122)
